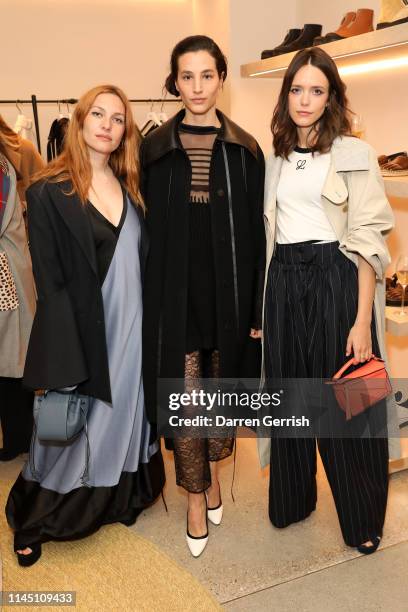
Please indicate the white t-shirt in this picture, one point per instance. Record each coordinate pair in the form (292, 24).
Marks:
(300, 212)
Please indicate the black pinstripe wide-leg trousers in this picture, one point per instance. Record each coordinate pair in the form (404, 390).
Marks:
(310, 307)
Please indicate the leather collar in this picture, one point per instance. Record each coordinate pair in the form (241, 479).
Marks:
(165, 138)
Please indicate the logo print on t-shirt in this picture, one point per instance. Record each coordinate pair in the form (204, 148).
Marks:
(300, 165)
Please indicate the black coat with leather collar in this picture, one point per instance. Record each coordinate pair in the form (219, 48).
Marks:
(68, 342)
(238, 237)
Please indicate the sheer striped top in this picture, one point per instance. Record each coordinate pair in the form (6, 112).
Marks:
(198, 143)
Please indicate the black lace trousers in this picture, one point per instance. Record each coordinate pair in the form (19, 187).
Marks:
(192, 455)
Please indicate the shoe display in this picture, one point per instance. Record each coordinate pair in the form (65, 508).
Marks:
(397, 166)
(292, 35)
(384, 159)
(305, 39)
(341, 30)
(393, 291)
(393, 12)
(361, 24)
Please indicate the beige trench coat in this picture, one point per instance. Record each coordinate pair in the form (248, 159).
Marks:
(15, 325)
(358, 210)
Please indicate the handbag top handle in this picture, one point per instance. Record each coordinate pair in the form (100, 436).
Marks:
(346, 366)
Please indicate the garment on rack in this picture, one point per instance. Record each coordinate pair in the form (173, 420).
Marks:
(17, 306)
(56, 137)
(26, 162)
(150, 126)
(24, 127)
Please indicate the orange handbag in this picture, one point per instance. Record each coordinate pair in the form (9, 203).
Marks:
(365, 386)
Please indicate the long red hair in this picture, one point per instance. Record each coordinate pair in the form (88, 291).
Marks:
(73, 163)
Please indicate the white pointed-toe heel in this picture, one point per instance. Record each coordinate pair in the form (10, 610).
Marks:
(196, 544)
(215, 514)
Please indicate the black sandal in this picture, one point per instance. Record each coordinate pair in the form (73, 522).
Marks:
(31, 558)
(369, 549)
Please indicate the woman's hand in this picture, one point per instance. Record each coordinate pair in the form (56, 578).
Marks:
(359, 342)
(255, 333)
(359, 339)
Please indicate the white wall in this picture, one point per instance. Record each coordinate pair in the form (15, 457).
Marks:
(212, 18)
(62, 48)
(256, 25)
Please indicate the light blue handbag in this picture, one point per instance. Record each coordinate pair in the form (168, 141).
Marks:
(60, 415)
(59, 418)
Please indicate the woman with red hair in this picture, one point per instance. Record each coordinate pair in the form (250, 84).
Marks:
(88, 245)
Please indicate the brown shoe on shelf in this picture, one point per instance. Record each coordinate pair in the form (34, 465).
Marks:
(393, 12)
(393, 291)
(362, 24)
(384, 159)
(345, 22)
(396, 167)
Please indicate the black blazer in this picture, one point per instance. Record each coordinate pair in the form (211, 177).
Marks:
(68, 342)
(238, 241)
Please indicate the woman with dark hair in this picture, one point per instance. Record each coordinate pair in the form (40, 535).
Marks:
(88, 246)
(326, 219)
(203, 189)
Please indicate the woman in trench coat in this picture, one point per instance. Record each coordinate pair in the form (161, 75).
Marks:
(17, 307)
(327, 218)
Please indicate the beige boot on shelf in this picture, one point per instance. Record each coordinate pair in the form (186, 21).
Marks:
(389, 8)
(393, 12)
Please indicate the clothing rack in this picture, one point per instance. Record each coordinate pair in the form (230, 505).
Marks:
(34, 101)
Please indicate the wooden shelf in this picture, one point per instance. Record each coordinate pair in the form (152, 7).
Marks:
(394, 323)
(396, 465)
(396, 186)
(386, 44)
